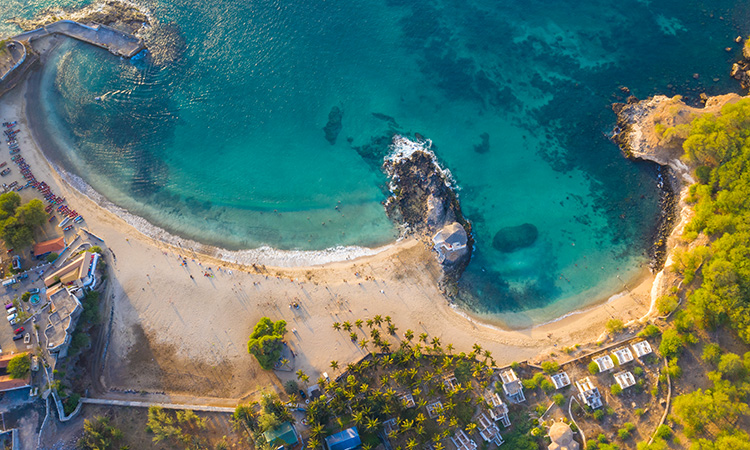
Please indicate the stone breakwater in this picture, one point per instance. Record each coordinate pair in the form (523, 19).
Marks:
(424, 200)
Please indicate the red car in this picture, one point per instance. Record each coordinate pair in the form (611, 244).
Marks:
(19, 330)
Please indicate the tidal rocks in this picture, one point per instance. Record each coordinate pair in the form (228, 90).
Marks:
(510, 239)
(333, 127)
(114, 13)
(484, 146)
(424, 201)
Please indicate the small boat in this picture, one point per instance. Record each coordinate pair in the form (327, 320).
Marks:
(68, 228)
(3, 164)
(64, 222)
(13, 184)
(51, 219)
(13, 152)
(78, 219)
(5, 172)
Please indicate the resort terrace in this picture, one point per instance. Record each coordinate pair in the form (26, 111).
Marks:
(79, 272)
(63, 315)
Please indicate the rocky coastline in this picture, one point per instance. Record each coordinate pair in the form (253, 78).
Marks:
(640, 134)
(114, 13)
(424, 201)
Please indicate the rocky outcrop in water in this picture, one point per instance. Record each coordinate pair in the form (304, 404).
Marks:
(741, 69)
(510, 239)
(424, 201)
(124, 16)
(333, 127)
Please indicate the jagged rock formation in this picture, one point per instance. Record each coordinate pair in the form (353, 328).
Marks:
(741, 69)
(424, 201)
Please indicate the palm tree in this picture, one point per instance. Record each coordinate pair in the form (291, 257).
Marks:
(392, 328)
(377, 319)
(406, 425)
(388, 319)
(423, 337)
(393, 434)
(316, 430)
(334, 364)
(347, 326)
(358, 417)
(471, 426)
(312, 443)
(453, 422)
(300, 374)
(336, 326)
(440, 419)
(372, 423)
(409, 335)
(449, 347)
(353, 336)
(358, 323)
(438, 446)
(369, 322)
(363, 343)
(366, 446)
(411, 444)
(477, 348)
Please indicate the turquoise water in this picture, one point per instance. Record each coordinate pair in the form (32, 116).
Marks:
(226, 145)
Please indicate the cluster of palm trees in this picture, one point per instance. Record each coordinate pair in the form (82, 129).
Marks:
(393, 388)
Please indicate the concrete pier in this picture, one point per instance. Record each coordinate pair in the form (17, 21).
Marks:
(115, 41)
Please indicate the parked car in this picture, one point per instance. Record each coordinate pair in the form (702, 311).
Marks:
(14, 320)
(34, 291)
(11, 317)
(8, 305)
(19, 330)
(18, 337)
(302, 394)
(16, 263)
(11, 311)
(23, 276)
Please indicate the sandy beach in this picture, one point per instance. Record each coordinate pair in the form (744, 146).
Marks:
(178, 331)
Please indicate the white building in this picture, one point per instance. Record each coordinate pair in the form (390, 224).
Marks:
(560, 380)
(623, 355)
(625, 379)
(605, 363)
(641, 348)
(589, 393)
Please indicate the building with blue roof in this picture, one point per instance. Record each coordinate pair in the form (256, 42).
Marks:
(344, 440)
(283, 435)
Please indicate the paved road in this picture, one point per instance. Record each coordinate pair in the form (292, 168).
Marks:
(100, 401)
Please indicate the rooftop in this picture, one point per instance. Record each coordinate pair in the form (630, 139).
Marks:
(625, 379)
(63, 314)
(78, 272)
(562, 437)
(450, 242)
(641, 348)
(605, 363)
(53, 245)
(589, 393)
(283, 435)
(560, 380)
(623, 355)
(344, 440)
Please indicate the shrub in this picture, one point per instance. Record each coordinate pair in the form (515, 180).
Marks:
(96, 249)
(711, 353)
(559, 399)
(638, 371)
(671, 343)
(25, 296)
(593, 368)
(666, 304)
(673, 368)
(664, 432)
(550, 367)
(639, 412)
(51, 257)
(615, 326)
(731, 365)
(598, 414)
(650, 331)
(547, 386)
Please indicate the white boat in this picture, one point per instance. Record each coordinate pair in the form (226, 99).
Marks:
(64, 222)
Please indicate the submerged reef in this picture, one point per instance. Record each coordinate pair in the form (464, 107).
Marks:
(510, 239)
(333, 127)
(424, 200)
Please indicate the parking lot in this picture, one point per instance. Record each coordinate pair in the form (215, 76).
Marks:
(30, 280)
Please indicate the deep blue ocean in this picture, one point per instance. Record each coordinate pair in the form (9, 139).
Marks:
(225, 145)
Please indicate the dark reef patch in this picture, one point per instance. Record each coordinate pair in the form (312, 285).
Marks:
(333, 127)
(510, 239)
(484, 146)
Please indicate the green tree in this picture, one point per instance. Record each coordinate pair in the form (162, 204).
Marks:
(550, 367)
(671, 343)
(9, 202)
(51, 257)
(731, 366)
(32, 213)
(266, 342)
(98, 434)
(19, 366)
(615, 326)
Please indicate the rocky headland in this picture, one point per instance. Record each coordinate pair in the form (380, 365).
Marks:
(654, 130)
(423, 199)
